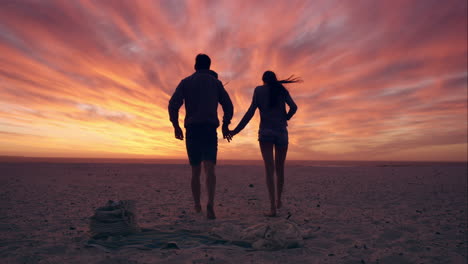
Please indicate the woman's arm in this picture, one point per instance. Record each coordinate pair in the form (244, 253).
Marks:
(292, 106)
(248, 115)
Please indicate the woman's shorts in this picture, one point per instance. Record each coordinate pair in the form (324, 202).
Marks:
(201, 141)
(279, 137)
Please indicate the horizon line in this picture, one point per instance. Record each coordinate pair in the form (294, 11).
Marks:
(4, 158)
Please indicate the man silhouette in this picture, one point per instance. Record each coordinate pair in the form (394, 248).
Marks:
(201, 92)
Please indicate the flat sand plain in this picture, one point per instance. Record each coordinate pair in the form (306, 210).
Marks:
(354, 214)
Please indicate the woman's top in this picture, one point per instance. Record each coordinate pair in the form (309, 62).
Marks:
(271, 117)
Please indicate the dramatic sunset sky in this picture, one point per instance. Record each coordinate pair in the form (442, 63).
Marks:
(383, 80)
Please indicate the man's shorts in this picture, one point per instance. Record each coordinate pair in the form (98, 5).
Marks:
(202, 143)
(278, 137)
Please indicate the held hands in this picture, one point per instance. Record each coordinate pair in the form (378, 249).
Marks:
(232, 133)
(226, 133)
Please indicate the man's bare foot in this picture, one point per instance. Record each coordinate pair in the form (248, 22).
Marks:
(272, 213)
(198, 208)
(278, 204)
(210, 214)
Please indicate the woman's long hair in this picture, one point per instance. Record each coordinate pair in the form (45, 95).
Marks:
(276, 86)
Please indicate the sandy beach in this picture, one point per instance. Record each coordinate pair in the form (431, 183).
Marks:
(413, 213)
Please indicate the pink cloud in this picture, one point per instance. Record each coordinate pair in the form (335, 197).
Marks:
(381, 77)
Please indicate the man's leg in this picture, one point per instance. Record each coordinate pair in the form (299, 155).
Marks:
(196, 171)
(267, 154)
(211, 187)
(194, 155)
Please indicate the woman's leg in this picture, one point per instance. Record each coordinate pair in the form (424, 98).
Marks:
(280, 157)
(267, 154)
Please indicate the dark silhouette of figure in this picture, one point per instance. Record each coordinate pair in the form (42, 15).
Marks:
(201, 92)
(270, 99)
(214, 74)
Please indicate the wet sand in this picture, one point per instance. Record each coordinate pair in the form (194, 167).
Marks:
(353, 214)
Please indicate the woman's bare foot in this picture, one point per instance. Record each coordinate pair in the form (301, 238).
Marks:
(198, 208)
(210, 214)
(278, 204)
(270, 214)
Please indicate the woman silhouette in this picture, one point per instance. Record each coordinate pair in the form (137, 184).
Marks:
(271, 98)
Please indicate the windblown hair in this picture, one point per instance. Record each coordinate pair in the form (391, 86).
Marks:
(277, 88)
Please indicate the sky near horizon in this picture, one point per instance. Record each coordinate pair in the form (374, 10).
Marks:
(383, 80)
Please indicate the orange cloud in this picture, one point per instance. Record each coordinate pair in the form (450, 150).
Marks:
(382, 80)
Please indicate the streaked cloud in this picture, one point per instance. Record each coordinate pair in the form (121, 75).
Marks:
(382, 79)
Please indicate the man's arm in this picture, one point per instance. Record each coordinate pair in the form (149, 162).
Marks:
(226, 104)
(175, 103)
(228, 110)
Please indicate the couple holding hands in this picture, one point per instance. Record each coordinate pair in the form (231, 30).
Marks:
(201, 92)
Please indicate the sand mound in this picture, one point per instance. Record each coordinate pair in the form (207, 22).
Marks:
(115, 218)
(274, 236)
(281, 234)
